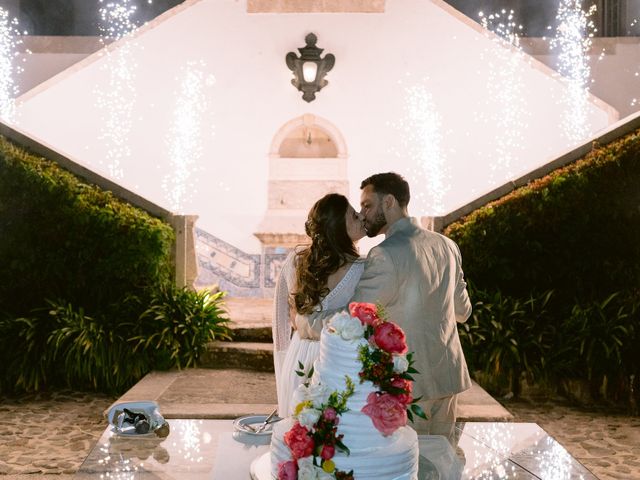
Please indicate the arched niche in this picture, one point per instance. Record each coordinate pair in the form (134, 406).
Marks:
(307, 159)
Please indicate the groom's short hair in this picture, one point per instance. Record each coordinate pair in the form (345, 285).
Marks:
(389, 183)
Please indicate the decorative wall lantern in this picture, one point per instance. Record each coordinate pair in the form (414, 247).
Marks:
(309, 69)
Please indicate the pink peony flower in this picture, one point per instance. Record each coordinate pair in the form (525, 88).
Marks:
(386, 411)
(366, 312)
(299, 441)
(405, 385)
(288, 470)
(330, 414)
(328, 451)
(390, 338)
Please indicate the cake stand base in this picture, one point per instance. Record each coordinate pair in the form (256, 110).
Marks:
(261, 467)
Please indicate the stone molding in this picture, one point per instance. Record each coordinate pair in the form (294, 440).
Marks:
(315, 6)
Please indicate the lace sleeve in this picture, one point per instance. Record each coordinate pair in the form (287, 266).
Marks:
(281, 326)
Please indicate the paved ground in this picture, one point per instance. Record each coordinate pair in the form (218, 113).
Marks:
(52, 434)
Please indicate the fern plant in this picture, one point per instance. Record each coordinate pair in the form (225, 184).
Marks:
(178, 324)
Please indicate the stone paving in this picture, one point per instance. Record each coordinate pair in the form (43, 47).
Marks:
(53, 433)
(49, 433)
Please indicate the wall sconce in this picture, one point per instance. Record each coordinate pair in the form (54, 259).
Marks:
(309, 69)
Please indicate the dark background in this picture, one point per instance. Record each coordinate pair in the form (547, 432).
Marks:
(80, 17)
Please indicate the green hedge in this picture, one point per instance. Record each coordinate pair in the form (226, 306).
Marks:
(64, 239)
(79, 270)
(554, 270)
(576, 231)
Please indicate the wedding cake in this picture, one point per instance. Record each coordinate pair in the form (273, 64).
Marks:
(351, 416)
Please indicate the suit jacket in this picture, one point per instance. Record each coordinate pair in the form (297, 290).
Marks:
(417, 276)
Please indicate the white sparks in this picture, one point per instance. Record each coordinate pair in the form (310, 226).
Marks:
(118, 100)
(422, 133)
(116, 19)
(573, 39)
(184, 140)
(9, 40)
(505, 92)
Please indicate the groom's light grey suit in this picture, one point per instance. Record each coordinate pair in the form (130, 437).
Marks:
(417, 276)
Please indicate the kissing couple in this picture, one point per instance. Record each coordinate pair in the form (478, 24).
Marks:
(414, 274)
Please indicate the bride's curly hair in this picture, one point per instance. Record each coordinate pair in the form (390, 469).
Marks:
(331, 248)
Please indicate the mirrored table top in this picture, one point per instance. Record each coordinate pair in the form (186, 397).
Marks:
(211, 449)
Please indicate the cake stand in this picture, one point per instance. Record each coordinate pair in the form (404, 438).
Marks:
(261, 467)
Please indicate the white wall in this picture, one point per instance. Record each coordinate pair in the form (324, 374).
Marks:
(465, 126)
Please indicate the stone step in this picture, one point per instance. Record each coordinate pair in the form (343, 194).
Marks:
(250, 319)
(230, 393)
(246, 355)
(246, 332)
(256, 311)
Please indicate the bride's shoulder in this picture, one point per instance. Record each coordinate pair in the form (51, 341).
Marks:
(360, 261)
(358, 265)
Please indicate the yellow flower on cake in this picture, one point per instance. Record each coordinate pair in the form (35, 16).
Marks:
(329, 466)
(301, 406)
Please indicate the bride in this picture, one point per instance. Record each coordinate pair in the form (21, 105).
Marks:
(323, 276)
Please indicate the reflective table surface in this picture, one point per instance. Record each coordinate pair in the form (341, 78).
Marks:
(210, 449)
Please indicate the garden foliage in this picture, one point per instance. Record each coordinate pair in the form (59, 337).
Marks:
(555, 273)
(86, 292)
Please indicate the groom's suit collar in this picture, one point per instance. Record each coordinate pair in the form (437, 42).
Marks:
(402, 224)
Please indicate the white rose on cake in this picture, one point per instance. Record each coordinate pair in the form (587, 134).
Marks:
(348, 327)
(308, 471)
(308, 417)
(316, 393)
(400, 363)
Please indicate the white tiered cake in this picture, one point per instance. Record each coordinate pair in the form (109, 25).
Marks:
(372, 455)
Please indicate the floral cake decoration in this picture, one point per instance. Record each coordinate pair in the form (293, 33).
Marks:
(313, 439)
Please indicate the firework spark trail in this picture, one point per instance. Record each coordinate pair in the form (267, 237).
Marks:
(184, 141)
(573, 39)
(422, 132)
(117, 101)
(9, 41)
(506, 95)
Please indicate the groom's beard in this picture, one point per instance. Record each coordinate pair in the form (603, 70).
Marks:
(378, 223)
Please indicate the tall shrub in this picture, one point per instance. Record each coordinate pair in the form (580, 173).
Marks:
(61, 238)
(576, 231)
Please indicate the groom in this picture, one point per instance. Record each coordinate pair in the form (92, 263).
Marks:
(416, 275)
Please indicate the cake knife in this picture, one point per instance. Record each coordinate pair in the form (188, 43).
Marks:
(266, 421)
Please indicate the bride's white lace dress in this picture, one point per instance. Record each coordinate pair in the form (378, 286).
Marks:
(302, 346)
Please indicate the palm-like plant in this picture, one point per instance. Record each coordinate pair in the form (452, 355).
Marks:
(178, 324)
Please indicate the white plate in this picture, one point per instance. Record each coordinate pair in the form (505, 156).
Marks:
(240, 424)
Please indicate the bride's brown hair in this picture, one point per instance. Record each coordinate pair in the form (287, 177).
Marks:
(331, 248)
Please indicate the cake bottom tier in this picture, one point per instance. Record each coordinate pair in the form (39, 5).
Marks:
(398, 460)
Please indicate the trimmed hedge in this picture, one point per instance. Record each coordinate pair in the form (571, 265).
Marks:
(61, 238)
(554, 270)
(576, 231)
(87, 298)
